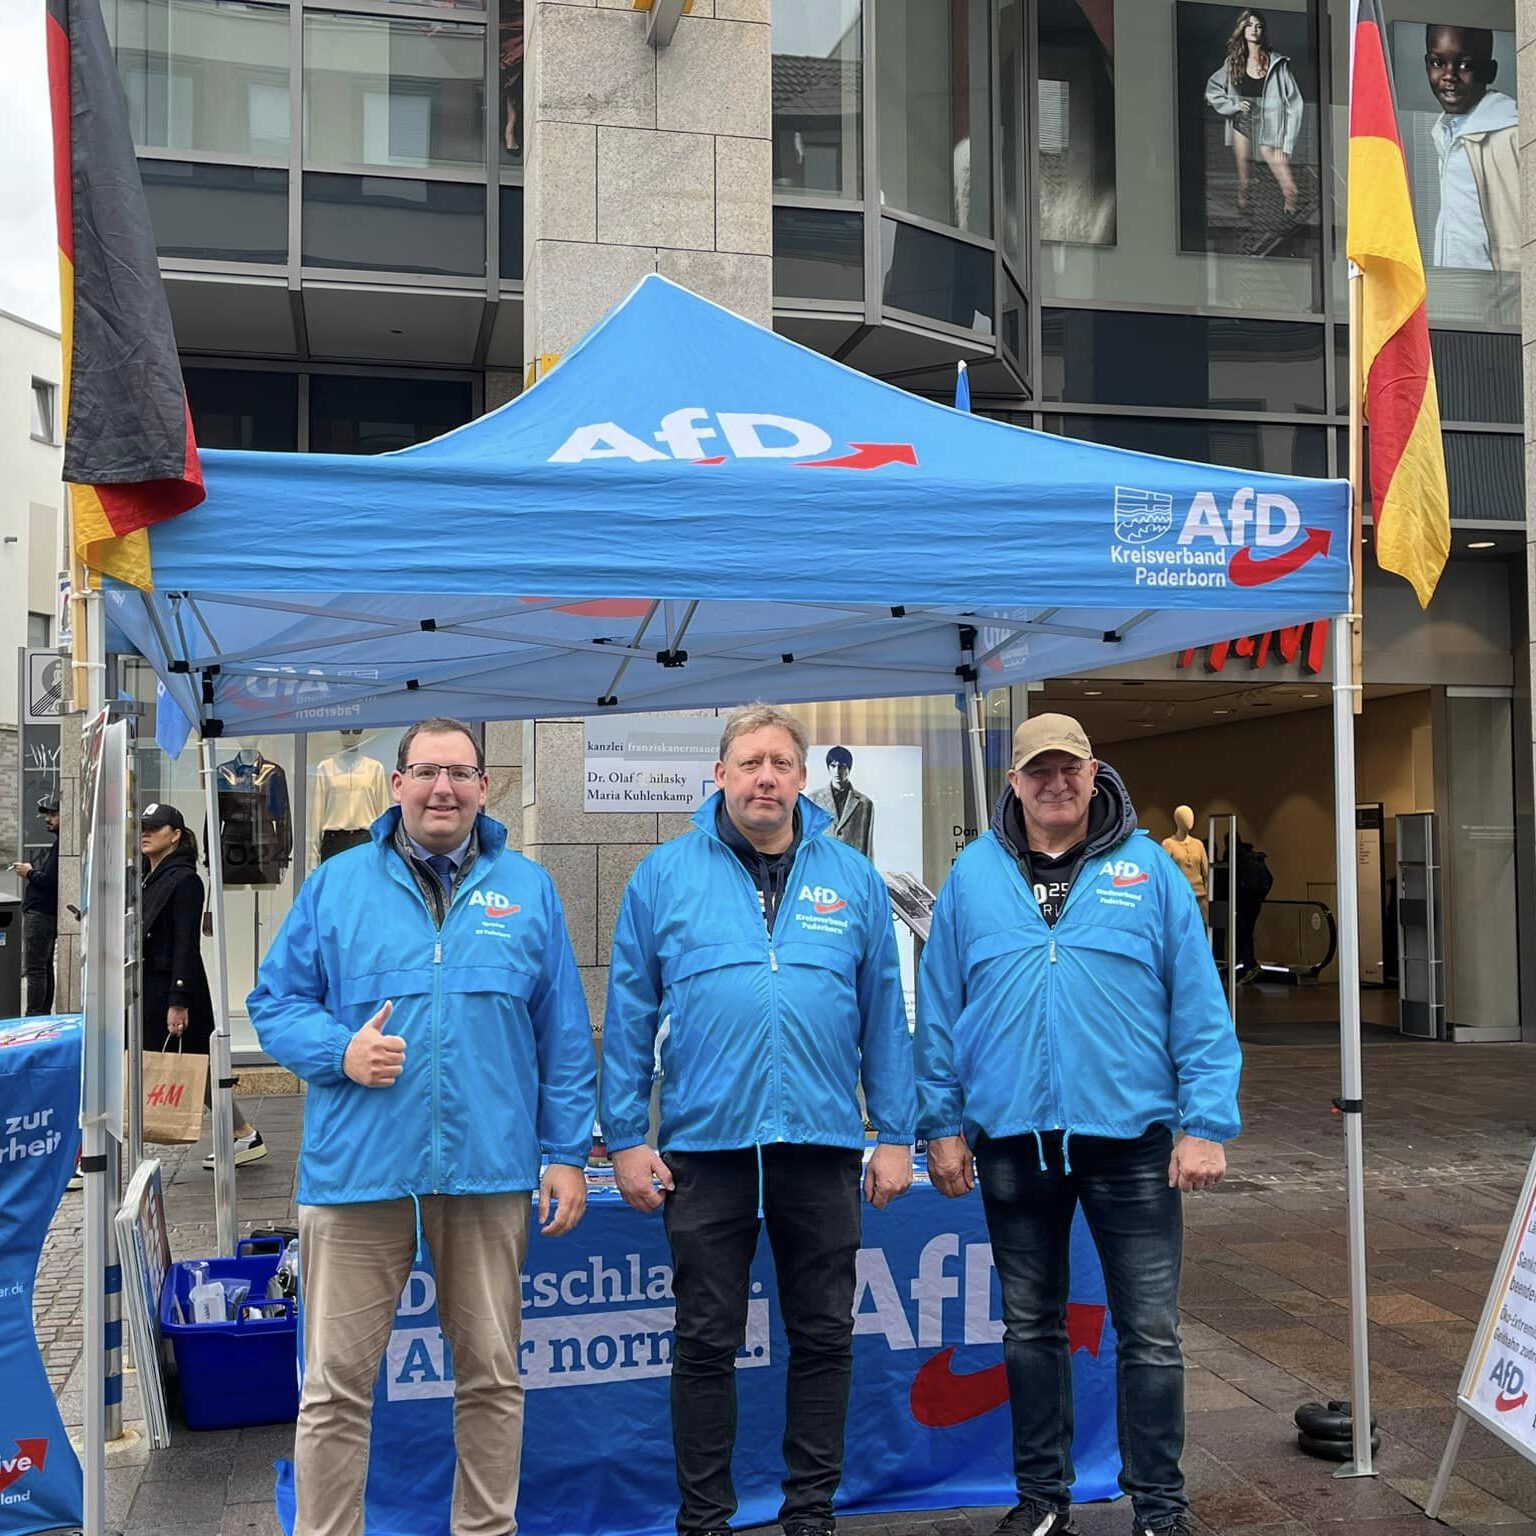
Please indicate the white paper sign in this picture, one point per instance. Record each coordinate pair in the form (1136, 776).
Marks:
(650, 762)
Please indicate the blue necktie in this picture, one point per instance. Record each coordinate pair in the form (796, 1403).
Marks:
(442, 866)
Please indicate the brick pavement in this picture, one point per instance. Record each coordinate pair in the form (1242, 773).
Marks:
(1448, 1134)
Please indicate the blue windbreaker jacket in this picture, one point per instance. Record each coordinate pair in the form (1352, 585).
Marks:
(1110, 1022)
(500, 1069)
(770, 1034)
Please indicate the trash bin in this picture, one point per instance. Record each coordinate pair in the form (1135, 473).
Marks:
(10, 957)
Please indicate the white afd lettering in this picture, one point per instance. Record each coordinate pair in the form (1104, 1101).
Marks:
(603, 440)
(685, 432)
(1273, 519)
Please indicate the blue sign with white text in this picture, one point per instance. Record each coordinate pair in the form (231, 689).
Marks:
(928, 1419)
(40, 1482)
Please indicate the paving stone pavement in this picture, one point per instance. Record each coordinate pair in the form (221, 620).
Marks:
(1449, 1130)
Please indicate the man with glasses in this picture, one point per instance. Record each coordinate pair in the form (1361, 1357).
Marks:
(424, 987)
(1074, 1047)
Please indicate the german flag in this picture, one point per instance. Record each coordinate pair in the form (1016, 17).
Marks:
(130, 458)
(1408, 489)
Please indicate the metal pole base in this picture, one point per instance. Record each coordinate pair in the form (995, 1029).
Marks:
(1354, 1469)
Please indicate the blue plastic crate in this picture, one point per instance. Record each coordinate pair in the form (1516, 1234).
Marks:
(241, 1372)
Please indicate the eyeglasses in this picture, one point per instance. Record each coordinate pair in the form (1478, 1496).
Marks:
(426, 773)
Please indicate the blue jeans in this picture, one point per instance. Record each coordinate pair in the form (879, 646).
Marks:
(1137, 1226)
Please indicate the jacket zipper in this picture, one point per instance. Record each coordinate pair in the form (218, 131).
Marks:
(771, 936)
(437, 1107)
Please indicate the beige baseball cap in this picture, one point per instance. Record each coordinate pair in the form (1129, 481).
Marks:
(1049, 733)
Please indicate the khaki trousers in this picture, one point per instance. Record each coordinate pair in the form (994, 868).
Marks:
(354, 1262)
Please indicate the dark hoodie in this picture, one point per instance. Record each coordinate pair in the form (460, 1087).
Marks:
(769, 871)
(1111, 819)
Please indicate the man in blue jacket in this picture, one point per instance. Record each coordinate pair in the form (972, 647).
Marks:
(1072, 1032)
(767, 947)
(424, 987)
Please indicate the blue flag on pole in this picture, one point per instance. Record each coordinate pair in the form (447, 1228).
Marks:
(962, 387)
(171, 726)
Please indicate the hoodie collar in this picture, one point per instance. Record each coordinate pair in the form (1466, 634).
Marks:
(489, 837)
(1111, 817)
(812, 820)
(1494, 112)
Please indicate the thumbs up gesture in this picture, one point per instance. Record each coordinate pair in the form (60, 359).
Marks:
(373, 1058)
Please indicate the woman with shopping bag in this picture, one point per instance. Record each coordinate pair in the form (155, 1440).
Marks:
(178, 1008)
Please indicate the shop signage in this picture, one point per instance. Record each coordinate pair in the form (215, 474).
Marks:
(1306, 643)
(649, 762)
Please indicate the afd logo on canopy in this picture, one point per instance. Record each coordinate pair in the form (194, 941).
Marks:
(1255, 538)
(694, 435)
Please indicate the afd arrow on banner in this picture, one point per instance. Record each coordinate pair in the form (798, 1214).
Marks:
(40, 1483)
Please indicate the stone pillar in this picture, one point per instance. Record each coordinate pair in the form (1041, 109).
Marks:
(644, 159)
(640, 160)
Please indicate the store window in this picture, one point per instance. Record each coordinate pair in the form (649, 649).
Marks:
(1105, 357)
(1213, 198)
(244, 408)
(217, 212)
(365, 413)
(510, 41)
(348, 783)
(393, 93)
(933, 110)
(203, 74)
(1479, 374)
(817, 97)
(1454, 71)
(394, 224)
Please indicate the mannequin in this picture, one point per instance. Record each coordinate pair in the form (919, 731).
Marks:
(255, 820)
(1188, 852)
(351, 793)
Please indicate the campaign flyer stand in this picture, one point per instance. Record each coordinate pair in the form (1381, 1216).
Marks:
(146, 1257)
(40, 1480)
(1498, 1384)
(928, 1422)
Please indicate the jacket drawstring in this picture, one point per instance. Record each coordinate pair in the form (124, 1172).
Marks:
(1040, 1151)
(759, 1147)
(417, 1204)
(1066, 1151)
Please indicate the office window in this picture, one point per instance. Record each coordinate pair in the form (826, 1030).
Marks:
(933, 110)
(393, 93)
(217, 212)
(817, 93)
(203, 74)
(818, 253)
(372, 413)
(933, 275)
(244, 408)
(45, 411)
(394, 224)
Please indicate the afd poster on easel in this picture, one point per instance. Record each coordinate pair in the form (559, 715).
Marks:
(1498, 1385)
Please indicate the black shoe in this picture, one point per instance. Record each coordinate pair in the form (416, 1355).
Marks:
(812, 1525)
(1180, 1527)
(1036, 1520)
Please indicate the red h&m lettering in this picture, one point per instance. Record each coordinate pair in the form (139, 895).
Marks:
(167, 1094)
(1307, 641)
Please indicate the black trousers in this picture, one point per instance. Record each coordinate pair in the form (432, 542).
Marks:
(810, 1201)
(40, 934)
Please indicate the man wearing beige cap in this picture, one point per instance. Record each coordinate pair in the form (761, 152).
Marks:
(1073, 1047)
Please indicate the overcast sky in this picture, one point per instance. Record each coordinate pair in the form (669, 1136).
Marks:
(29, 268)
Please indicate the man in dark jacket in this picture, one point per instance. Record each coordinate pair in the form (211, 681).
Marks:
(1072, 1031)
(40, 914)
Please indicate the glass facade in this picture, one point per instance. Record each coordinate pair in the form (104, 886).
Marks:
(393, 93)
(818, 99)
(217, 212)
(394, 224)
(209, 75)
(933, 102)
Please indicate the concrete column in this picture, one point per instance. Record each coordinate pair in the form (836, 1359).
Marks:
(639, 160)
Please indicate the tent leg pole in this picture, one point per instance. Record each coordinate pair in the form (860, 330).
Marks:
(222, 1097)
(1351, 1077)
(976, 760)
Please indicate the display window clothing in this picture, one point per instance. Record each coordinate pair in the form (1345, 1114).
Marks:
(351, 792)
(1194, 864)
(172, 917)
(1479, 222)
(1273, 118)
(255, 819)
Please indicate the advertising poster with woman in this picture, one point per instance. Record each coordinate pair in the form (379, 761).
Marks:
(1248, 132)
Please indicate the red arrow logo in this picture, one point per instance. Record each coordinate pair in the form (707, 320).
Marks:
(602, 608)
(1509, 1404)
(30, 1454)
(1247, 571)
(866, 456)
(941, 1398)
